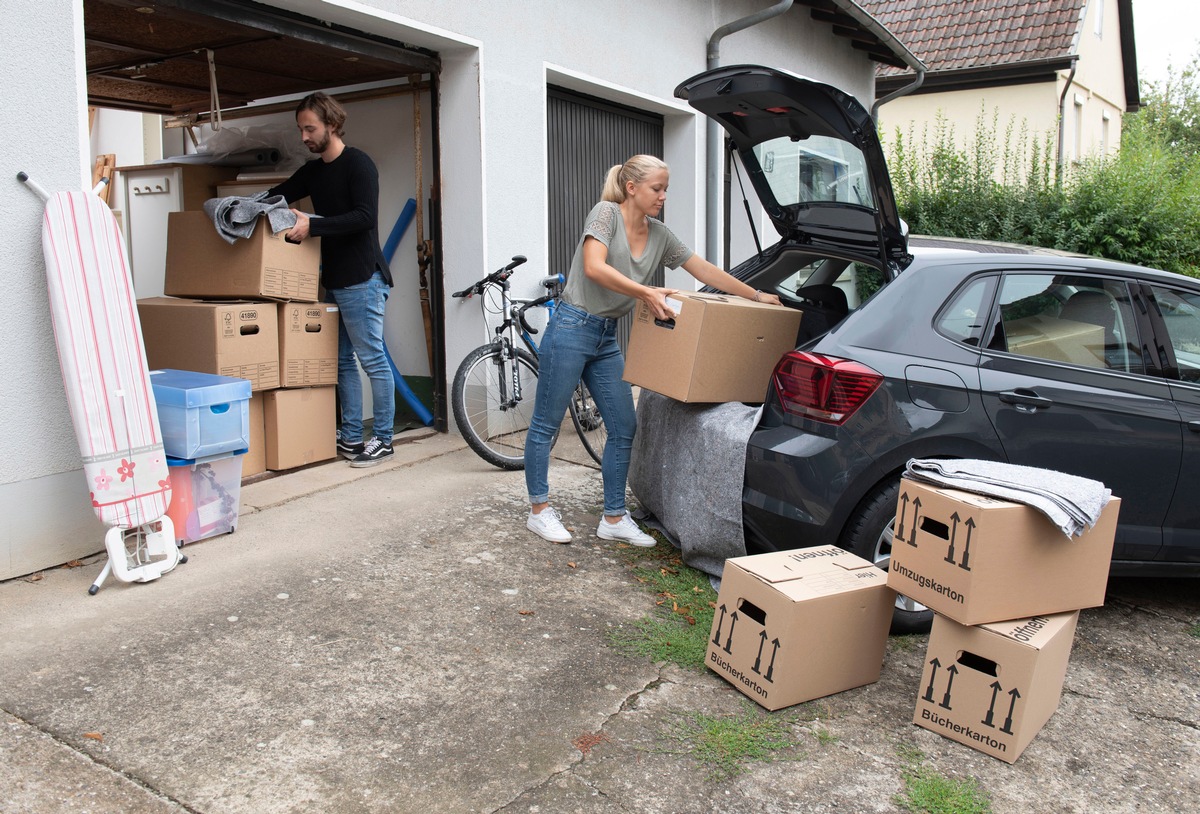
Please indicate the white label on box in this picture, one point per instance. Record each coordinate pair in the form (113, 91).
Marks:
(674, 304)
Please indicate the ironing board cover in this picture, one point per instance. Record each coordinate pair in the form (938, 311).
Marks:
(103, 361)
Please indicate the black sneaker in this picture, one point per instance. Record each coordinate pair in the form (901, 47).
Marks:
(349, 450)
(375, 451)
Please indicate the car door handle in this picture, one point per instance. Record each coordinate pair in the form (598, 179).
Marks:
(1025, 398)
(1194, 426)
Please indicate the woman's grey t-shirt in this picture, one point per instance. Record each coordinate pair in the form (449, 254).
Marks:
(605, 224)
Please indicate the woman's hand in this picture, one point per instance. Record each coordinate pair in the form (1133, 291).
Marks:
(656, 298)
(770, 299)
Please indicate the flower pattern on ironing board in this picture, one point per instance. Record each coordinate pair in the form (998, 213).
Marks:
(103, 480)
(125, 470)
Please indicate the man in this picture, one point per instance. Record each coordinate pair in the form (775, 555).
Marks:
(343, 184)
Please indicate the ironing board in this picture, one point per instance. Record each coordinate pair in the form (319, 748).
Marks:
(107, 383)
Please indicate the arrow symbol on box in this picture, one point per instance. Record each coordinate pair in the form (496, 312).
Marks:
(966, 566)
(733, 617)
(762, 642)
(987, 719)
(1012, 705)
(953, 534)
(932, 678)
(771, 667)
(951, 671)
(720, 624)
(912, 535)
(903, 512)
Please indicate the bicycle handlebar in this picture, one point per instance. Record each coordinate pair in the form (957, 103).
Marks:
(498, 276)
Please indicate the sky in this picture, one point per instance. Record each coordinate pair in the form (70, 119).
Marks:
(1165, 32)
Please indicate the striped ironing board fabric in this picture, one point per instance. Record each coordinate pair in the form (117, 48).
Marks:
(103, 360)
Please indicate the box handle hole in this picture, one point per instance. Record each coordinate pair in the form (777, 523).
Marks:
(935, 527)
(219, 408)
(978, 663)
(249, 330)
(312, 327)
(751, 611)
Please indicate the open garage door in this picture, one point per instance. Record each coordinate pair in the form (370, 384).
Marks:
(187, 59)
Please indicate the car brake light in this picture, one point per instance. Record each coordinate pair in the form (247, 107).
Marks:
(823, 388)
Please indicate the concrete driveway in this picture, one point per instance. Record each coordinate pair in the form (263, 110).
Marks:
(393, 640)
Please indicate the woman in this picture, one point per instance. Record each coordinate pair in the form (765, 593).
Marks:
(622, 245)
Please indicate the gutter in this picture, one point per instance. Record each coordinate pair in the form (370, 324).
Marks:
(713, 132)
(1062, 116)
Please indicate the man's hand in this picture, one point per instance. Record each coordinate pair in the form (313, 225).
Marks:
(300, 231)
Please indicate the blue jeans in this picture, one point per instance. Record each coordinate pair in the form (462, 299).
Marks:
(360, 333)
(580, 345)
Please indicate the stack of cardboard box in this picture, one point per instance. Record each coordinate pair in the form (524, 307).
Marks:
(1006, 586)
(250, 309)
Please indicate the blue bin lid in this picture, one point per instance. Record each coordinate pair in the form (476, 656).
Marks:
(188, 388)
(207, 459)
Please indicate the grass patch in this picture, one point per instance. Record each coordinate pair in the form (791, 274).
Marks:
(677, 631)
(906, 643)
(1194, 630)
(927, 791)
(726, 744)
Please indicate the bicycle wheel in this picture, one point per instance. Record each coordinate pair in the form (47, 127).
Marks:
(585, 415)
(493, 427)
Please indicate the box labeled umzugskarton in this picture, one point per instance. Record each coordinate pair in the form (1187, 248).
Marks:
(795, 625)
(308, 344)
(978, 559)
(994, 686)
(202, 264)
(299, 426)
(717, 348)
(237, 339)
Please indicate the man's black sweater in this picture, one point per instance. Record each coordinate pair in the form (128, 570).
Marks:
(345, 193)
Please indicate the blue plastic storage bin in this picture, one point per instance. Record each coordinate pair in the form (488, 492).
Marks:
(201, 414)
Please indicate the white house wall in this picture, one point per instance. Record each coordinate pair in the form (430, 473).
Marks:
(496, 61)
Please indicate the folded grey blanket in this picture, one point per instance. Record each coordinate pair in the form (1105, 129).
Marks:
(686, 469)
(235, 216)
(1072, 503)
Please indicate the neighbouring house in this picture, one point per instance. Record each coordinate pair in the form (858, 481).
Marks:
(519, 107)
(1064, 71)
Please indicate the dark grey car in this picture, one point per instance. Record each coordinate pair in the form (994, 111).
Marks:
(927, 348)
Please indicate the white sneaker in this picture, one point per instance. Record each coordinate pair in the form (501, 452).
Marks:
(626, 531)
(547, 524)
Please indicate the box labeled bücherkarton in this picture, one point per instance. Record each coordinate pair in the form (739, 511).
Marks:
(308, 344)
(795, 625)
(994, 686)
(203, 265)
(1063, 340)
(978, 559)
(717, 348)
(238, 339)
(299, 426)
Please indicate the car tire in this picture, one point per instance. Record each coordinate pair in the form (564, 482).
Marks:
(869, 535)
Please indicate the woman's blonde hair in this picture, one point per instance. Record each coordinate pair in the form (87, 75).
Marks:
(635, 169)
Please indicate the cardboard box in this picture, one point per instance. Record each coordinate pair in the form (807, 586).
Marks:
(205, 496)
(993, 687)
(300, 426)
(308, 344)
(254, 462)
(238, 339)
(1062, 340)
(717, 348)
(201, 264)
(201, 414)
(791, 626)
(977, 559)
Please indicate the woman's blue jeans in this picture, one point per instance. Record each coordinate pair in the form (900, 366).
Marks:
(360, 333)
(579, 345)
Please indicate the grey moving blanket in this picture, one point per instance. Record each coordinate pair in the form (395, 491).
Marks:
(686, 469)
(1072, 503)
(235, 216)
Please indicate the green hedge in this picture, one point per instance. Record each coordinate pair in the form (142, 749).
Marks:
(1140, 206)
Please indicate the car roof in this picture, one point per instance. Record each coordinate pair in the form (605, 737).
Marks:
(928, 249)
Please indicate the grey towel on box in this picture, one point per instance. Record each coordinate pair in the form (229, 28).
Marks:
(686, 468)
(1072, 503)
(235, 216)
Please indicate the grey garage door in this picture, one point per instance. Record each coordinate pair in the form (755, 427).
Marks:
(586, 137)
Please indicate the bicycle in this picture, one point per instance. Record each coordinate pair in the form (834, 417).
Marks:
(493, 393)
